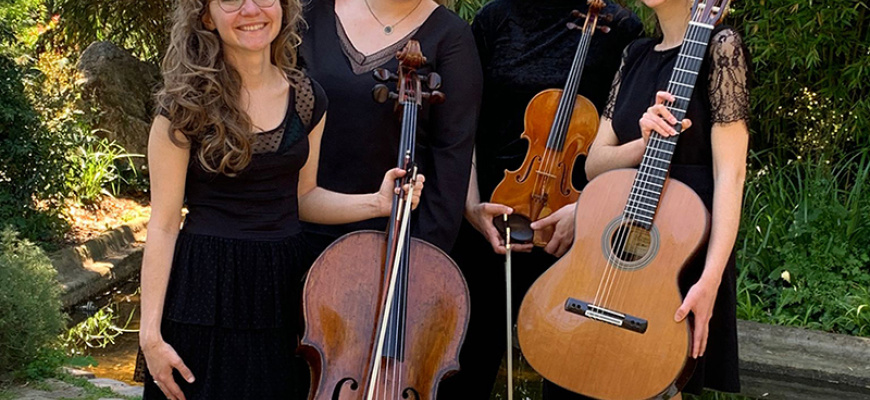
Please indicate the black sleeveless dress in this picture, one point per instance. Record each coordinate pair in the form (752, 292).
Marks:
(723, 99)
(232, 302)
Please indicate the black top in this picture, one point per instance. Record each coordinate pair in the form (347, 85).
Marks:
(723, 98)
(361, 138)
(261, 201)
(525, 47)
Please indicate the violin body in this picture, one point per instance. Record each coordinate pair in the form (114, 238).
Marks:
(341, 301)
(599, 359)
(542, 184)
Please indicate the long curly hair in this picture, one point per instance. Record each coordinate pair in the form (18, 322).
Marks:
(201, 92)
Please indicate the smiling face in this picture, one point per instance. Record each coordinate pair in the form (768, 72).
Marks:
(249, 29)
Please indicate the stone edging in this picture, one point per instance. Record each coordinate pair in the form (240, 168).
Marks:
(100, 263)
(778, 362)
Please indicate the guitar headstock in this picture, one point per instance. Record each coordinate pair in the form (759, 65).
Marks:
(409, 83)
(591, 18)
(709, 12)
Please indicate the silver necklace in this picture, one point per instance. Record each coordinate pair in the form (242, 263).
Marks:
(388, 29)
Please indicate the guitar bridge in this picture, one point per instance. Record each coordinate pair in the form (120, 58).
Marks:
(601, 314)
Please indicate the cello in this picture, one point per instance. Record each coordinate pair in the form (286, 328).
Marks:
(386, 313)
(605, 311)
(559, 126)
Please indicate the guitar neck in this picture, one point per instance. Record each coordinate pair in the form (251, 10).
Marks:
(653, 171)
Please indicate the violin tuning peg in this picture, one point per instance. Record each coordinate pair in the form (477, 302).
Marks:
(577, 14)
(573, 26)
(383, 75)
(435, 97)
(604, 29)
(433, 81)
(381, 93)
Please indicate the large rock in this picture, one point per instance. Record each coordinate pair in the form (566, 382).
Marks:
(122, 88)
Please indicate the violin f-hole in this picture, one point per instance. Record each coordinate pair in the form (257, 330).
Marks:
(406, 394)
(525, 176)
(336, 392)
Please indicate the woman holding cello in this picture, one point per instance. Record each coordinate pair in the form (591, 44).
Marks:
(525, 47)
(237, 140)
(710, 158)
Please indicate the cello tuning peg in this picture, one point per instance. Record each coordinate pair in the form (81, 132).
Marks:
(383, 75)
(433, 81)
(435, 97)
(381, 93)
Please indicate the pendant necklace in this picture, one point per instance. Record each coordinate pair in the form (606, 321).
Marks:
(388, 29)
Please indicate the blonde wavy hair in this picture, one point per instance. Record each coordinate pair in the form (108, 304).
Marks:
(201, 92)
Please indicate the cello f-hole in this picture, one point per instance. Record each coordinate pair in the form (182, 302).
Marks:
(336, 392)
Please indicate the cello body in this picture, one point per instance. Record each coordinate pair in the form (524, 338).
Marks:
(542, 184)
(598, 359)
(341, 319)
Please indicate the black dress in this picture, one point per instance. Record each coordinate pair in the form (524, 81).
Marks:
(232, 303)
(361, 137)
(524, 48)
(724, 99)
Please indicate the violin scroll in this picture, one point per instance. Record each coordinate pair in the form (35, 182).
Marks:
(593, 17)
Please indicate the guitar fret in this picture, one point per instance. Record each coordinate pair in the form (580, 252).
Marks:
(686, 71)
(692, 57)
(695, 41)
(702, 25)
(654, 199)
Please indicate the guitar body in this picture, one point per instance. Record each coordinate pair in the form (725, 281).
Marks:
(519, 187)
(600, 359)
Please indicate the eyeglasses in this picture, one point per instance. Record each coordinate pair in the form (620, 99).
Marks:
(231, 6)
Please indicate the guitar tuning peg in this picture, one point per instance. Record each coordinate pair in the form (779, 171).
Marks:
(381, 93)
(383, 75)
(435, 97)
(433, 81)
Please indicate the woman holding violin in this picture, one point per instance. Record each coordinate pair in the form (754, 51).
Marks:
(525, 47)
(345, 41)
(710, 157)
(237, 141)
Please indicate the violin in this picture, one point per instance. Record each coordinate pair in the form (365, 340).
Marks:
(385, 313)
(559, 126)
(604, 313)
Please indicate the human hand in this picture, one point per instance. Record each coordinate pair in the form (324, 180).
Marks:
(161, 359)
(659, 119)
(481, 215)
(388, 189)
(563, 233)
(700, 301)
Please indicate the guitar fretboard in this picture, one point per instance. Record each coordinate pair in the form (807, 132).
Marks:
(653, 171)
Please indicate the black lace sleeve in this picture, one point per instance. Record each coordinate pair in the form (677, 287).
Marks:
(614, 88)
(729, 90)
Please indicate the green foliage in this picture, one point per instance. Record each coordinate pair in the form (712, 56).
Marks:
(466, 9)
(95, 168)
(31, 175)
(806, 248)
(30, 317)
(98, 331)
(812, 63)
(140, 26)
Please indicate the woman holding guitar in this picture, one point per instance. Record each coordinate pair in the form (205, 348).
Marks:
(525, 48)
(710, 158)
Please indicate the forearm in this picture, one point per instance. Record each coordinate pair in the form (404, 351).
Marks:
(321, 206)
(727, 200)
(605, 158)
(156, 265)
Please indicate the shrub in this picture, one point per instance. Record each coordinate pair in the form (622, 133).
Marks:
(30, 316)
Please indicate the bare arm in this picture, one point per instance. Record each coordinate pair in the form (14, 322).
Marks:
(606, 153)
(322, 206)
(168, 171)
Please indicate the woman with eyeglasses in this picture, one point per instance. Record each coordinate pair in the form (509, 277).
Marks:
(237, 141)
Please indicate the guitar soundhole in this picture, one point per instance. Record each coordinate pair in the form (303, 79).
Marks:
(629, 246)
